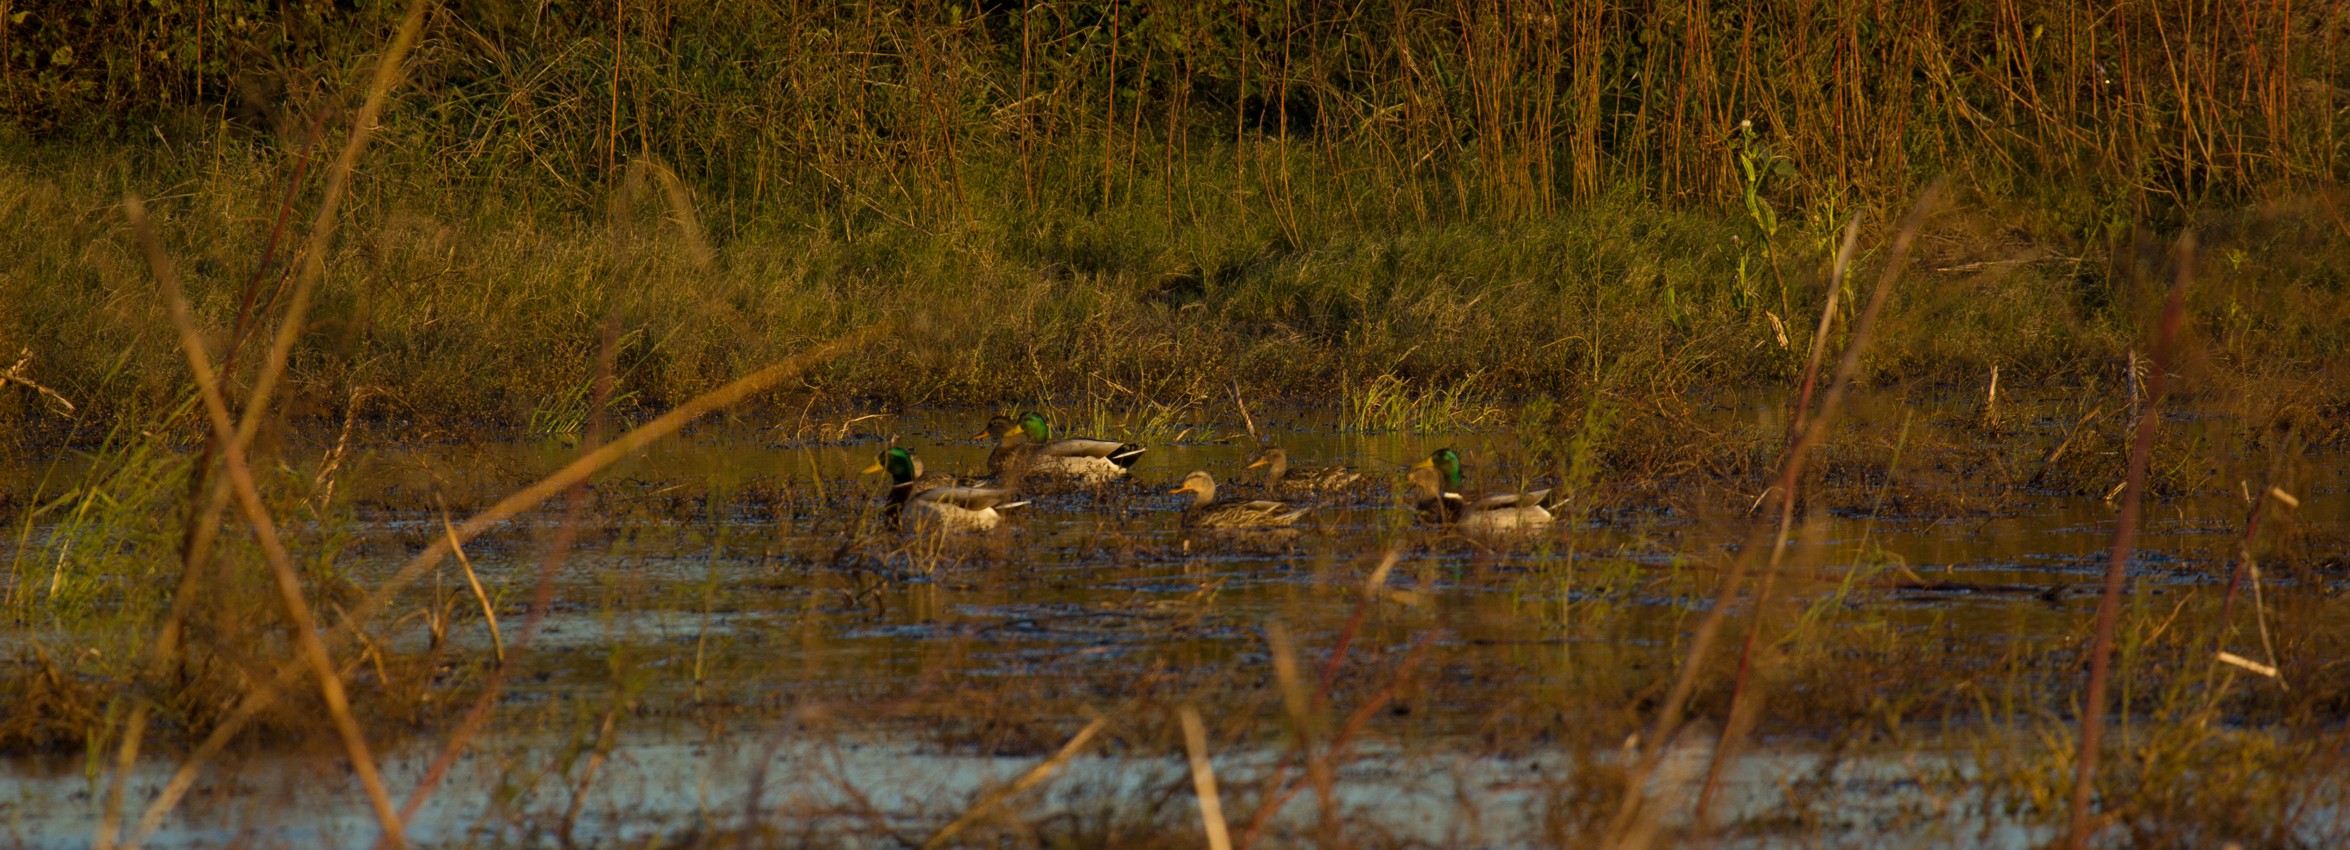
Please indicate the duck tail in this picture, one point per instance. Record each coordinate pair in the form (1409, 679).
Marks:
(1008, 506)
(1126, 455)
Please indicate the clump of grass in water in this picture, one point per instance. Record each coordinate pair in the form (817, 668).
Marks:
(565, 414)
(1389, 404)
(1149, 424)
(109, 529)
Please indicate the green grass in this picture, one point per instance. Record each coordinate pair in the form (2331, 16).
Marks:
(102, 518)
(1079, 200)
(450, 303)
(1434, 219)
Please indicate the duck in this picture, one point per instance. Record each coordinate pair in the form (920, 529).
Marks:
(1010, 457)
(1438, 480)
(923, 481)
(1026, 446)
(1206, 511)
(938, 505)
(1279, 475)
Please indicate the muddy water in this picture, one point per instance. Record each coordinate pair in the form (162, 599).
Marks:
(735, 612)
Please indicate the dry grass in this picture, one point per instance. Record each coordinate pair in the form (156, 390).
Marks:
(1483, 253)
(1154, 203)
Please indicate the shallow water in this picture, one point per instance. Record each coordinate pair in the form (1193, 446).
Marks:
(876, 793)
(869, 686)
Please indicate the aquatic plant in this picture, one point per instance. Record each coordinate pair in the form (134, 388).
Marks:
(1387, 403)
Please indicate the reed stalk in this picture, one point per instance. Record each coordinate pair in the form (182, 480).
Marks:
(310, 650)
(1035, 776)
(1203, 780)
(1667, 722)
(265, 692)
(2125, 536)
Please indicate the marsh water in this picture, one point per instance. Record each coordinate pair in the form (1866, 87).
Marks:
(742, 643)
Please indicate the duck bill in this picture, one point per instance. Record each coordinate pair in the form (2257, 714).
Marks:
(1183, 489)
(1424, 464)
(1259, 462)
(980, 436)
(872, 469)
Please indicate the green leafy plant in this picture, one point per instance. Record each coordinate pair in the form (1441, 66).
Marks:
(1758, 166)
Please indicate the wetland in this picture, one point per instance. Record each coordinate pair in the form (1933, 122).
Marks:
(737, 645)
(446, 425)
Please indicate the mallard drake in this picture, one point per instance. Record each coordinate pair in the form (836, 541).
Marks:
(1279, 475)
(922, 481)
(941, 506)
(1026, 447)
(1438, 480)
(1206, 511)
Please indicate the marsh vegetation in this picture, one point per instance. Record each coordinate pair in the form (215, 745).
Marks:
(443, 426)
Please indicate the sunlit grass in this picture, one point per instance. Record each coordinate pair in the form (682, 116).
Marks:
(1387, 403)
(1429, 258)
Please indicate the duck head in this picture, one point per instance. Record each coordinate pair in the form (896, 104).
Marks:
(1447, 464)
(899, 463)
(1002, 430)
(1275, 458)
(1032, 423)
(1200, 485)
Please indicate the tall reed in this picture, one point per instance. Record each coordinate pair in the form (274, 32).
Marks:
(885, 110)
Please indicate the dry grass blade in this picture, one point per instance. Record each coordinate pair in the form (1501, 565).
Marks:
(475, 718)
(1293, 691)
(15, 374)
(330, 205)
(1300, 708)
(1203, 780)
(1245, 419)
(559, 549)
(313, 268)
(266, 693)
(1035, 776)
(589, 464)
(2125, 537)
(184, 778)
(587, 775)
(2245, 565)
(488, 612)
(1372, 585)
(673, 195)
(1278, 791)
(1668, 718)
(1303, 719)
(127, 757)
(204, 526)
(2234, 660)
(1319, 771)
(1819, 338)
(486, 702)
(2070, 434)
(1744, 708)
(311, 650)
(2227, 608)
(320, 239)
